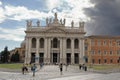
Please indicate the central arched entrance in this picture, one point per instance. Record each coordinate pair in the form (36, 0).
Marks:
(55, 51)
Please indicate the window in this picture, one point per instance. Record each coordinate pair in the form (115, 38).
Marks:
(99, 61)
(93, 61)
(104, 42)
(92, 42)
(111, 60)
(92, 52)
(41, 43)
(98, 43)
(110, 42)
(105, 52)
(99, 52)
(86, 48)
(33, 43)
(55, 43)
(76, 44)
(110, 52)
(105, 61)
(118, 52)
(68, 43)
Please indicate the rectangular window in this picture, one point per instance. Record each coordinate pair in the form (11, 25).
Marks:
(92, 42)
(104, 42)
(99, 52)
(86, 48)
(92, 52)
(105, 52)
(105, 61)
(110, 52)
(118, 52)
(98, 43)
(110, 42)
(111, 61)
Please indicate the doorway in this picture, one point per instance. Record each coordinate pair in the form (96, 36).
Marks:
(32, 58)
(76, 58)
(68, 55)
(41, 57)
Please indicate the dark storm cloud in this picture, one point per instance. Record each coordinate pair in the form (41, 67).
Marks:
(105, 17)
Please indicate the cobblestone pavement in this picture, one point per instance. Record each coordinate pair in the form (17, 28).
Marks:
(52, 73)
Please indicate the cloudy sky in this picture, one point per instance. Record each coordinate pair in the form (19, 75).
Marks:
(100, 16)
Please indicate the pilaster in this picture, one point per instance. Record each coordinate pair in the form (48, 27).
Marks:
(26, 51)
(72, 47)
(64, 50)
(49, 50)
(45, 51)
(37, 52)
(61, 50)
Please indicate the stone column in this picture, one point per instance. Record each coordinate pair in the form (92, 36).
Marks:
(72, 48)
(81, 51)
(61, 51)
(48, 50)
(26, 50)
(37, 52)
(45, 50)
(29, 50)
(64, 50)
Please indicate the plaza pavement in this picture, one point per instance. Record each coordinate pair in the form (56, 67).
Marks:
(51, 72)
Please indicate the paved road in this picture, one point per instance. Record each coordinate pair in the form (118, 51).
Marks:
(52, 73)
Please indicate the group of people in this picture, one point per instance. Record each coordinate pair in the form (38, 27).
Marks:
(61, 67)
(33, 68)
(83, 66)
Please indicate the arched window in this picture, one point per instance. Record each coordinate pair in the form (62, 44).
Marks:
(41, 43)
(33, 43)
(68, 43)
(55, 43)
(76, 44)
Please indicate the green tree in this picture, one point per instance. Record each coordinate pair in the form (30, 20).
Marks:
(5, 55)
(12, 58)
(17, 57)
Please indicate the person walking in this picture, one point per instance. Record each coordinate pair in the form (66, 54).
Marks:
(23, 69)
(61, 68)
(41, 65)
(80, 66)
(33, 68)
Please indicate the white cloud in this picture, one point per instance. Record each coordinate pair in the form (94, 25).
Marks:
(12, 34)
(0, 3)
(70, 9)
(20, 13)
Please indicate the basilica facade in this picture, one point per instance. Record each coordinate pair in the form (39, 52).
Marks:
(54, 43)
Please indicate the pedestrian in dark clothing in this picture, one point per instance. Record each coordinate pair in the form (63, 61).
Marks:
(61, 68)
(24, 68)
(41, 65)
(85, 68)
(33, 68)
(80, 66)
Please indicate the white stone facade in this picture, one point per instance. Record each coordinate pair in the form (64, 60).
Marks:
(54, 43)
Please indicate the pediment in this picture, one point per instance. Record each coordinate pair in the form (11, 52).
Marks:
(55, 29)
